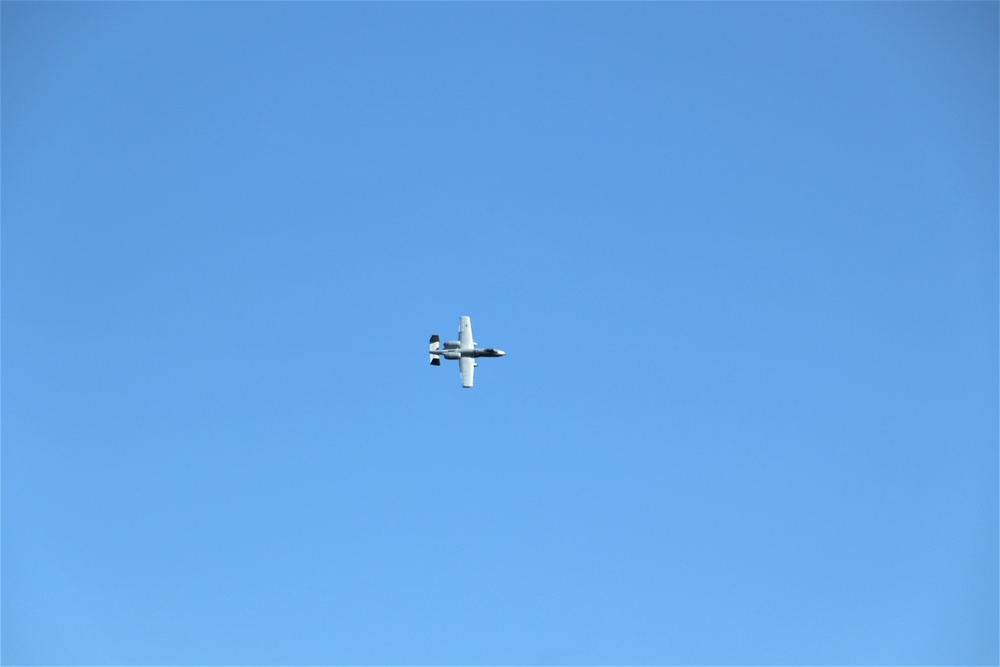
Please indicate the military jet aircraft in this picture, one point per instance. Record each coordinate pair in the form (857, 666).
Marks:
(463, 349)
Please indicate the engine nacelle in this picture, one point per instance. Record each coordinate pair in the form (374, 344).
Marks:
(452, 345)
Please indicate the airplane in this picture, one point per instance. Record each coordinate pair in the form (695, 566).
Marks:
(463, 349)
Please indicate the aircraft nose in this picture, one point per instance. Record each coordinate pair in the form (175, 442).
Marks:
(501, 352)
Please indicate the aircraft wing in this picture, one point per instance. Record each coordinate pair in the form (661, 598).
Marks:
(468, 366)
(465, 335)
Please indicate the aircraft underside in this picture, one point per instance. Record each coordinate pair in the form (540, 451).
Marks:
(463, 350)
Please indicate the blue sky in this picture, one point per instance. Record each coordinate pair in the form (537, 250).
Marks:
(743, 259)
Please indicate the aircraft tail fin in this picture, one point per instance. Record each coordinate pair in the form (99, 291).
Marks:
(434, 345)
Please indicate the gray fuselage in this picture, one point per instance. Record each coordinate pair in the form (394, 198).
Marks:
(453, 350)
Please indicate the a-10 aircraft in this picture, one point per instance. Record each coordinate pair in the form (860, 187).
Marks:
(463, 349)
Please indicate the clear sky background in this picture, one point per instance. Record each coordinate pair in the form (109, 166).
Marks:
(743, 259)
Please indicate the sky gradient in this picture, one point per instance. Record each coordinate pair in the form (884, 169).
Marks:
(743, 259)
